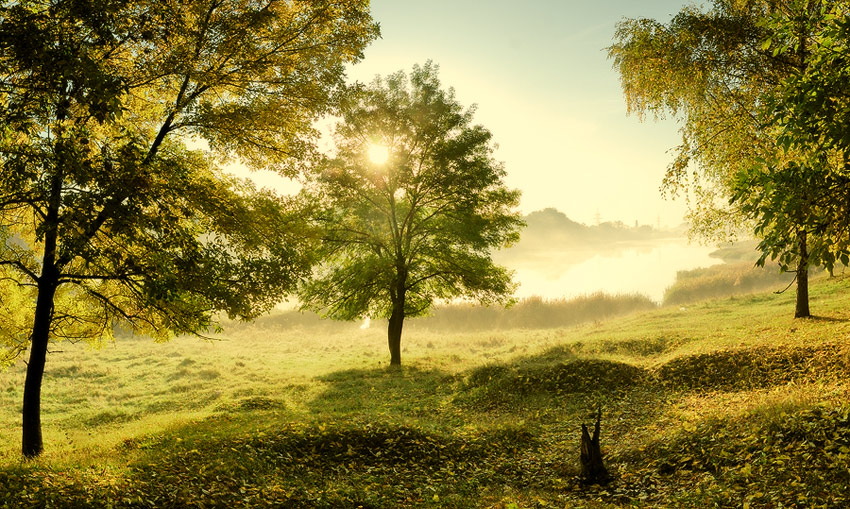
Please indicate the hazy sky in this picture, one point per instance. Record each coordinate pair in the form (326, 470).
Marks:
(539, 74)
(544, 87)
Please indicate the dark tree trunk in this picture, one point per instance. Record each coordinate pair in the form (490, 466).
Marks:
(802, 310)
(48, 281)
(397, 295)
(31, 442)
(593, 470)
(394, 334)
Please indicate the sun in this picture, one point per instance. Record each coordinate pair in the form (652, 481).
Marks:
(378, 153)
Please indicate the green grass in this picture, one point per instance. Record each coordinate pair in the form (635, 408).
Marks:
(721, 403)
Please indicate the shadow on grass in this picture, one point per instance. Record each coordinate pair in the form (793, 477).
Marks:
(405, 390)
(827, 319)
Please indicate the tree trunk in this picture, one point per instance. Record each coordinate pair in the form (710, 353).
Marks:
(397, 295)
(394, 334)
(593, 470)
(802, 310)
(31, 442)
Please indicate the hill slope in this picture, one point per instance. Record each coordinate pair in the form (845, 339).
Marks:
(725, 403)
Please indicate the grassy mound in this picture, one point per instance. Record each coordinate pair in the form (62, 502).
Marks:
(753, 368)
(350, 465)
(496, 386)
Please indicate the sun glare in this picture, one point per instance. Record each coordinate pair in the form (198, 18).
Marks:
(378, 154)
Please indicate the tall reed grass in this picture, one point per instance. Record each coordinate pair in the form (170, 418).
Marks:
(533, 313)
(723, 281)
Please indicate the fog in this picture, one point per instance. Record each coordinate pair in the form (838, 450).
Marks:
(559, 258)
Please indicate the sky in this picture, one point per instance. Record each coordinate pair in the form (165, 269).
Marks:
(544, 86)
(539, 74)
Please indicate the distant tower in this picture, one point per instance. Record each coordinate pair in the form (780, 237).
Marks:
(598, 218)
(658, 222)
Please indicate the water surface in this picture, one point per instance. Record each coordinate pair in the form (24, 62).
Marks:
(647, 268)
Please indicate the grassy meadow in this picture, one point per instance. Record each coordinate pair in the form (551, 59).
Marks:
(721, 403)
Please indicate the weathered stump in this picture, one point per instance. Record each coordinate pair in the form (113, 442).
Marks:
(593, 470)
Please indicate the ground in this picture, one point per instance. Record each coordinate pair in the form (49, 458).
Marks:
(724, 403)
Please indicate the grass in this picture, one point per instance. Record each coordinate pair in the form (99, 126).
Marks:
(721, 403)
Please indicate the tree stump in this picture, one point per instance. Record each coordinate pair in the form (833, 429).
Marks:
(593, 470)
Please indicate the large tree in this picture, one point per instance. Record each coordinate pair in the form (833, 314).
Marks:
(718, 73)
(108, 213)
(413, 204)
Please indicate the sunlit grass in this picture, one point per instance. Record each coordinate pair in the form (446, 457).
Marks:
(666, 380)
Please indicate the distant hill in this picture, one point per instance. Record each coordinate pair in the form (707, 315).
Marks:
(552, 229)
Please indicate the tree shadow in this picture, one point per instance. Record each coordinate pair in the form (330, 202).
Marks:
(408, 390)
(828, 319)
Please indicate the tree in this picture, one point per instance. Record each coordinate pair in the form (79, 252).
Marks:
(793, 214)
(811, 108)
(717, 73)
(416, 221)
(109, 216)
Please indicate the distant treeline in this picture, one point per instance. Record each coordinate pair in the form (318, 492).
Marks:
(551, 229)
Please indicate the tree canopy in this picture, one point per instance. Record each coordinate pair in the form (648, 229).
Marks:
(419, 226)
(110, 211)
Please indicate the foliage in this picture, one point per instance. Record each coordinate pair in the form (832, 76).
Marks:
(145, 229)
(811, 110)
(706, 69)
(419, 227)
(785, 201)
